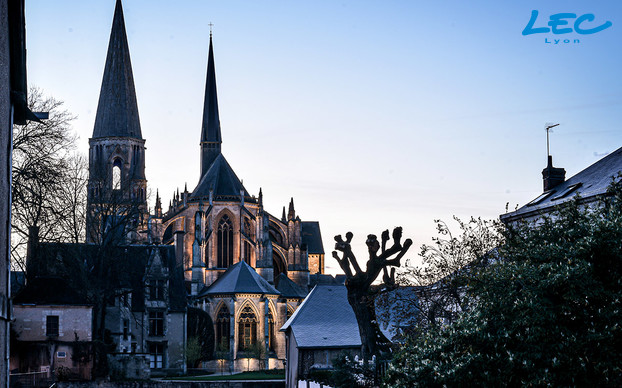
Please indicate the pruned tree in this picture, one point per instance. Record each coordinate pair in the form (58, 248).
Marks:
(359, 283)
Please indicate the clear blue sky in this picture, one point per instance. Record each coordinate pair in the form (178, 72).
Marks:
(371, 114)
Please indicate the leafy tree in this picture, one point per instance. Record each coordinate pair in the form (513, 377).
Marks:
(547, 313)
(445, 270)
(200, 345)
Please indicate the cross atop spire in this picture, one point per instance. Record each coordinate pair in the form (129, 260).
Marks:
(117, 110)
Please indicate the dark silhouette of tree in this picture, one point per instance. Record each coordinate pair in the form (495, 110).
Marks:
(48, 179)
(359, 283)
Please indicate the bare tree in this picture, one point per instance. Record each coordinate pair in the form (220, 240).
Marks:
(361, 294)
(48, 179)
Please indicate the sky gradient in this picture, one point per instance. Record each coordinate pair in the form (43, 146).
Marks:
(371, 114)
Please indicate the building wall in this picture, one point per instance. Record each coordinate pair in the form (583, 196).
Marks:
(30, 322)
(5, 187)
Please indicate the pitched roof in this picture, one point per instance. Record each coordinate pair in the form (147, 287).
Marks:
(50, 291)
(221, 178)
(117, 110)
(312, 236)
(325, 319)
(240, 278)
(590, 184)
(210, 129)
(288, 288)
(128, 263)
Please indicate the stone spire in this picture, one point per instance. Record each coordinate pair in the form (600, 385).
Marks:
(158, 205)
(117, 111)
(291, 213)
(210, 130)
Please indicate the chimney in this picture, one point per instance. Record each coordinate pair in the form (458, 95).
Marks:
(552, 176)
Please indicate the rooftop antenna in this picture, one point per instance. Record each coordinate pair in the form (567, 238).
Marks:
(547, 128)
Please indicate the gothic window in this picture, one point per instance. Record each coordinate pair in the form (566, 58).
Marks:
(271, 337)
(156, 355)
(248, 229)
(225, 242)
(247, 252)
(156, 323)
(247, 329)
(116, 175)
(223, 329)
(197, 226)
(278, 264)
(206, 256)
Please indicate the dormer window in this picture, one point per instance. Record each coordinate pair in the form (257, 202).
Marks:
(156, 290)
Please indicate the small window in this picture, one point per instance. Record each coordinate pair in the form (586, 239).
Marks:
(541, 198)
(61, 354)
(566, 191)
(126, 329)
(116, 175)
(51, 325)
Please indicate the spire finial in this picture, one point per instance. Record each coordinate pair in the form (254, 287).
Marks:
(210, 29)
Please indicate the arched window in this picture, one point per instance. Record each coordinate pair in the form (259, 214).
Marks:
(116, 175)
(278, 265)
(248, 229)
(247, 329)
(290, 312)
(206, 255)
(271, 338)
(225, 242)
(223, 329)
(247, 252)
(197, 226)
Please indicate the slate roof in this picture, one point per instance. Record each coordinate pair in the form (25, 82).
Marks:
(288, 288)
(325, 320)
(117, 110)
(210, 129)
(221, 178)
(592, 182)
(77, 262)
(240, 278)
(312, 236)
(50, 291)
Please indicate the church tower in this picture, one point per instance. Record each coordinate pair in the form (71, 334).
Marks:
(210, 129)
(117, 200)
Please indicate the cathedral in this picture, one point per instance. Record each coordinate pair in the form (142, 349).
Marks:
(244, 266)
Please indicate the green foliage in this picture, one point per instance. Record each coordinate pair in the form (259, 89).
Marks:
(548, 313)
(200, 336)
(346, 373)
(193, 352)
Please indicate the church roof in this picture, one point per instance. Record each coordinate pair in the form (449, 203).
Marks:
(325, 319)
(288, 288)
(117, 111)
(312, 237)
(590, 184)
(241, 278)
(222, 179)
(210, 129)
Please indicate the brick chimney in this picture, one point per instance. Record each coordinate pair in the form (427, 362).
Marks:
(552, 176)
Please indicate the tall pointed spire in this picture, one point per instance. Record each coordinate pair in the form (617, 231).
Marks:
(117, 111)
(210, 130)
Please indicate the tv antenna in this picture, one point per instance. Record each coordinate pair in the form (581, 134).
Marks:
(547, 128)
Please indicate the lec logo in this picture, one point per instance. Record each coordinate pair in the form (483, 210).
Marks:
(559, 21)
